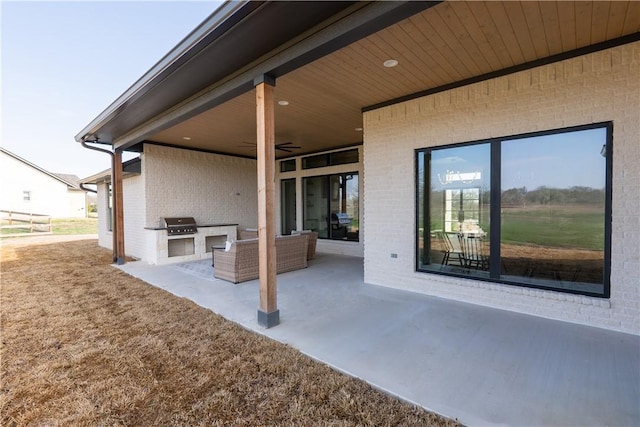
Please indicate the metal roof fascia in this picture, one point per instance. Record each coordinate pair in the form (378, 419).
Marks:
(96, 178)
(129, 168)
(217, 19)
(312, 47)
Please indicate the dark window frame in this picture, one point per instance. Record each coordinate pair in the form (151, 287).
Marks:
(495, 203)
(326, 190)
(283, 211)
(285, 165)
(331, 159)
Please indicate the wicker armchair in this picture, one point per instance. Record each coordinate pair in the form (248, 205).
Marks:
(240, 263)
(313, 239)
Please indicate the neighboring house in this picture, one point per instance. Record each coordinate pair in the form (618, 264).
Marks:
(480, 151)
(28, 188)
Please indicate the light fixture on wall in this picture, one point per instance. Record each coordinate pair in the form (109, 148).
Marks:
(284, 103)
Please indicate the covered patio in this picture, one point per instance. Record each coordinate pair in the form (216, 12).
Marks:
(478, 364)
(260, 85)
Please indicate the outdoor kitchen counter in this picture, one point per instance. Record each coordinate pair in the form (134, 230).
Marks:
(199, 226)
(162, 248)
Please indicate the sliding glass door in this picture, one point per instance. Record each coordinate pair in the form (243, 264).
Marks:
(331, 206)
(288, 205)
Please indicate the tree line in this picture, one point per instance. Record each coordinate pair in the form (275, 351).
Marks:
(553, 196)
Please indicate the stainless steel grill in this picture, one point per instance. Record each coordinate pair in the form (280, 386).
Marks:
(340, 219)
(181, 225)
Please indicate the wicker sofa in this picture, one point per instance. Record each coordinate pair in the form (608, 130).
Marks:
(240, 262)
(313, 239)
(252, 233)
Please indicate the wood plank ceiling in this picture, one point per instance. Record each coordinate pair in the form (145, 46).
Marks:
(448, 43)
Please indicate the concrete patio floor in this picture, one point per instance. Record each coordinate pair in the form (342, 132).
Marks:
(479, 365)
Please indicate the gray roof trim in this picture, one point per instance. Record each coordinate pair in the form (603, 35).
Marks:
(353, 23)
(130, 168)
(221, 57)
(219, 19)
(234, 35)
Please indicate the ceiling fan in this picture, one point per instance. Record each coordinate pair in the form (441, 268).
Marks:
(283, 146)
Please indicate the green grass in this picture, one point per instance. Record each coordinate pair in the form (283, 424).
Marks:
(560, 226)
(75, 225)
(21, 227)
(557, 226)
(12, 231)
(61, 226)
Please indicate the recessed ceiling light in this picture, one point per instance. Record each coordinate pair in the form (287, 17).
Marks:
(283, 103)
(390, 63)
(358, 129)
(187, 138)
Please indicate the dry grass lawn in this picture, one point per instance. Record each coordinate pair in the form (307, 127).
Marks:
(83, 343)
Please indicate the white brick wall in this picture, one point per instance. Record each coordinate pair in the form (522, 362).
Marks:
(134, 215)
(133, 199)
(105, 237)
(209, 187)
(603, 86)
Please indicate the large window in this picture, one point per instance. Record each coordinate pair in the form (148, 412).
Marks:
(530, 210)
(331, 206)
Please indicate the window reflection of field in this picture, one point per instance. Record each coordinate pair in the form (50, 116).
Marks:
(545, 263)
(559, 226)
(556, 243)
(560, 246)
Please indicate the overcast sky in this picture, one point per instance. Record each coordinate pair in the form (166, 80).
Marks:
(63, 63)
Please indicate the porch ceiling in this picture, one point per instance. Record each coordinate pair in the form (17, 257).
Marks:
(448, 43)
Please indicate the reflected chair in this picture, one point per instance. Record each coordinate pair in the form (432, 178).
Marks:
(451, 249)
(473, 252)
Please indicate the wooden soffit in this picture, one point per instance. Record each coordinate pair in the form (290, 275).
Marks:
(448, 43)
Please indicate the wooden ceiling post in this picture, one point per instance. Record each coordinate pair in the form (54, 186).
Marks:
(118, 207)
(268, 313)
